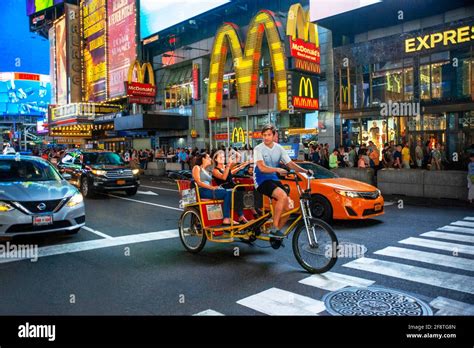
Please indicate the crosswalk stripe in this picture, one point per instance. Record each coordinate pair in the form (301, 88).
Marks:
(276, 301)
(447, 306)
(334, 281)
(463, 223)
(415, 274)
(434, 244)
(433, 258)
(470, 218)
(68, 248)
(457, 229)
(208, 312)
(449, 236)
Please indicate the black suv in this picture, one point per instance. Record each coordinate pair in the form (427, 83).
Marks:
(99, 171)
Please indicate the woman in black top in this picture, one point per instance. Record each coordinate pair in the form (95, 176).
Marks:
(223, 176)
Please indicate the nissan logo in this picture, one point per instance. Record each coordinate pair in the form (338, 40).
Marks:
(121, 172)
(41, 206)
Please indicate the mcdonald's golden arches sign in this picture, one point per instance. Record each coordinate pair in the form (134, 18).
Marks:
(238, 135)
(303, 91)
(138, 91)
(303, 36)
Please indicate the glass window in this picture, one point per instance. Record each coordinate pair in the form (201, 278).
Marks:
(179, 95)
(441, 79)
(408, 83)
(425, 85)
(21, 171)
(344, 92)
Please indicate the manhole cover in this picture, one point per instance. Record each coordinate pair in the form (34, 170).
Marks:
(374, 301)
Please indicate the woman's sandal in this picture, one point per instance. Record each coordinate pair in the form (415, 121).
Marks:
(228, 224)
(243, 220)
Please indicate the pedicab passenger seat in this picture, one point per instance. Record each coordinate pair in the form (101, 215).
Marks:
(184, 185)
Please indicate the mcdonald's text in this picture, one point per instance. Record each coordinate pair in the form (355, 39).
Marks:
(304, 50)
(140, 89)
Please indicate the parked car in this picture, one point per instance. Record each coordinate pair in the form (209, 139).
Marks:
(99, 171)
(334, 197)
(35, 198)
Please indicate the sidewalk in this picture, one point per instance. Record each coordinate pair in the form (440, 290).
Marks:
(425, 202)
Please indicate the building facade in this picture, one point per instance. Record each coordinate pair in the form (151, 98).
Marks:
(407, 82)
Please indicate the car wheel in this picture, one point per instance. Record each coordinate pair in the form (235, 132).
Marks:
(131, 192)
(85, 188)
(321, 208)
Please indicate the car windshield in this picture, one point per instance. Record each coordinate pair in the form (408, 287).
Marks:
(102, 158)
(319, 172)
(27, 170)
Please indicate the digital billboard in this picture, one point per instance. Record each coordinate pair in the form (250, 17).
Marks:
(320, 9)
(122, 46)
(94, 22)
(61, 61)
(24, 94)
(159, 15)
(33, 6)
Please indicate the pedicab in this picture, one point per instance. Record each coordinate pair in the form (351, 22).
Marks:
(314, 242)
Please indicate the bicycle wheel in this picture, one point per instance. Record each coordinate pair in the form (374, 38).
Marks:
(320, 255)
(191, 232)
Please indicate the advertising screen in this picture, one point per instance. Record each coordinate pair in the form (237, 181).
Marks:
(24, 94)
(95, 65)
(159, 15)
(320, 9)
(40, 127)
(33, 6)
(61, 63)
(122, 43)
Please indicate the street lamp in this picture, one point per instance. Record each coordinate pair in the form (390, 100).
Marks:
(188, 48)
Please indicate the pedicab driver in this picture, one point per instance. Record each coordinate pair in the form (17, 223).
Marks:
(267, 157)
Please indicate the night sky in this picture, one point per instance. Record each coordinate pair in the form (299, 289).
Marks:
(16, 41)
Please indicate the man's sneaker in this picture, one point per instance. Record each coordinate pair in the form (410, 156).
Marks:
(277, 234)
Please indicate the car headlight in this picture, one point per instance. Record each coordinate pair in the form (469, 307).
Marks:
(350, 194)
(75, 200)
(136, 171)
(99, 172)
(4, 207)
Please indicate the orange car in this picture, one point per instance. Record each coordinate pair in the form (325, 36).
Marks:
(335, 197)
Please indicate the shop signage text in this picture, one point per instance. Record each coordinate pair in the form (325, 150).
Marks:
(303, 41)
(439, 39)
(196, 83)
(138, 91)
(82, 109)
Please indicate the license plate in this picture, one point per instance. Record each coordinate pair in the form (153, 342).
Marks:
(42, 220)
(378, 207)
(120, 182)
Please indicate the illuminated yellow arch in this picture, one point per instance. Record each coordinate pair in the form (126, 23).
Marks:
(141, 71)
(246, 64)
(299, 25)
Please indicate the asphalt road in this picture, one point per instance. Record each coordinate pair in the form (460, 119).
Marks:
(129, 261)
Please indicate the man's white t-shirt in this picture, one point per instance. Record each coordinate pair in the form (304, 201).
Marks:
(271, 157)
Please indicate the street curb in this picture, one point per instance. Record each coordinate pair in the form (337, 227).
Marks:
(425, 202)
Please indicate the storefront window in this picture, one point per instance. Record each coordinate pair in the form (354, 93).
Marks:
(434, 122)
(408, 83)
(178, 95)
(230, 86)
(387, 82)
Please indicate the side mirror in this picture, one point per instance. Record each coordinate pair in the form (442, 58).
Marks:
(67, 176)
